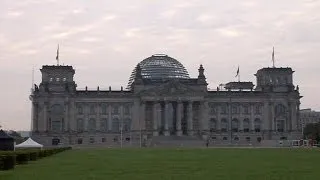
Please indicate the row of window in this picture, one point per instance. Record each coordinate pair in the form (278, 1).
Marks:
(235, 125)
(248, 139)
(279, 80)
(57, 79)
(116, 126)
(224, 109)
(104, 109)
(103, 140)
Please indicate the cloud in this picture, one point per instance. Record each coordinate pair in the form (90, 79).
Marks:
(132, 33)
(228, 32)
(14, 14)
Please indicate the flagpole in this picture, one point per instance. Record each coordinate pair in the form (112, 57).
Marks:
(57, 57)
(32, 80)
(273, 57)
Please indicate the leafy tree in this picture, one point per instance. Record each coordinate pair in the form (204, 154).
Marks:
(312, 131)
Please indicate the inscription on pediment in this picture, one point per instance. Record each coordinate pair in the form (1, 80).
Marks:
(170, 89)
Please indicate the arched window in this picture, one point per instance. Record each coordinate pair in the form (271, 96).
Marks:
(115, 125)
(246, 125)
(224, 125)
(80, 125)
(92, 125)
(235, 125)
(257, 125)
(213, 125)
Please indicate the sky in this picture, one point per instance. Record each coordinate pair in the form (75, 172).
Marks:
(104, 40)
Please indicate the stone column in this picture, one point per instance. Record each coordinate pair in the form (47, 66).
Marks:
(294, 121)
(136, 113)
(98, 112)
(190, 118)
(66, 116)
(155, 118)
(266, 117)
(179, 116)
(109, 117)
(73, 123)
(204, 120)
(252, 107)
(86, 117)
(273, 123)
(219, 117)
(142, 119)
(45, 117)
(121, 118)
(166, 118)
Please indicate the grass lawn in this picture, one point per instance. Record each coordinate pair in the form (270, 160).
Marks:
(195, 164)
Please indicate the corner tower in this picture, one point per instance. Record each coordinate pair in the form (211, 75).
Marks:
(275, 79)
(57, 79)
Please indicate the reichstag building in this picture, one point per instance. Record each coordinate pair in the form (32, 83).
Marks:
(163, 104)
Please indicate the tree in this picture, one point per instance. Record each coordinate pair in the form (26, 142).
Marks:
(17, 136)
(312, 131)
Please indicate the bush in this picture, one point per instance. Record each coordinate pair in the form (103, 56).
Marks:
(34, 156)
(7, 161)
(22, 157)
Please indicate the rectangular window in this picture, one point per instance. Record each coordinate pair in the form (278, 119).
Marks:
(245, 110)
(224, 109)
(213, 110)
(56, 126)
(115, 110)
(80, 110)
(92, 110)
(258, 110)
(104, 109)
(126, 110)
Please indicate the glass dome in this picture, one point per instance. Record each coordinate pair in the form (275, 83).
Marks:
(160, 67)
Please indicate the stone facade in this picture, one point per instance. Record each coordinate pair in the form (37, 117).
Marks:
(308, 116)
(168, 108)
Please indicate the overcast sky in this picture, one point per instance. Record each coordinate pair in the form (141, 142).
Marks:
(105, 39)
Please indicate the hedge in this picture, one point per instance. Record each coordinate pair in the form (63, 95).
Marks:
(8, 159)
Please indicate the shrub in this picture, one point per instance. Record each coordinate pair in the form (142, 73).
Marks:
(7, 161)
(22, 157)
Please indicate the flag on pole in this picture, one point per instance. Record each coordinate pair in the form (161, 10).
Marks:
(238, 71)
(57, 57)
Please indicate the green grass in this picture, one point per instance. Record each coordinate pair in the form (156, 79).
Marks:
(194, 164)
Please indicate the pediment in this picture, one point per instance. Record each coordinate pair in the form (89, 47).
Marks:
(172, 88)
